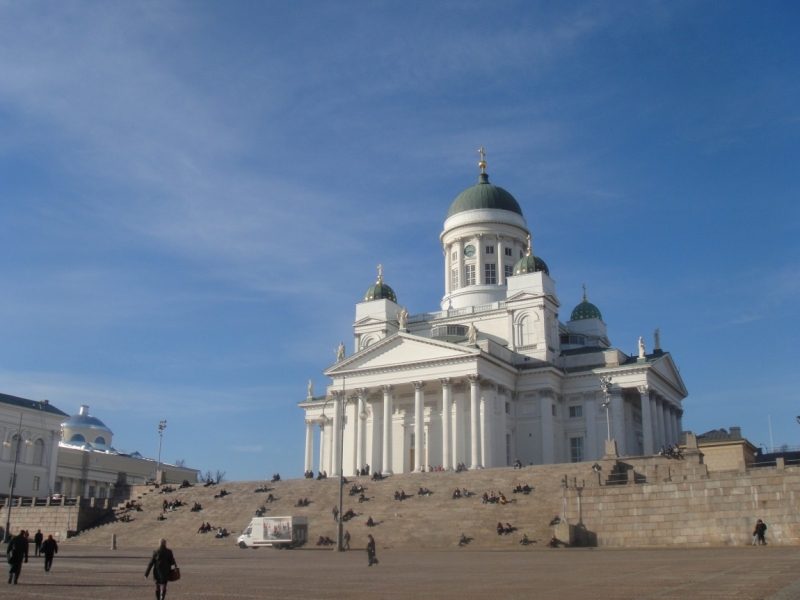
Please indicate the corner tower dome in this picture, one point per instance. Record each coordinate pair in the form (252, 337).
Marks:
(530, 263)
(379, 291)
(585, 310)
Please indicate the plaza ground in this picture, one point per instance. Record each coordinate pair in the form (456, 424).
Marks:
(564, 574)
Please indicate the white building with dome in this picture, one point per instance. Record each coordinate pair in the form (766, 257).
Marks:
(495, 374)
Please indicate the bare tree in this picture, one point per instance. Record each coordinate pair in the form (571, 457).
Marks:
(181, 462)
(208, 476)
(219, 476)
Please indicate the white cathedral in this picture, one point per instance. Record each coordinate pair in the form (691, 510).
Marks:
(493, 376)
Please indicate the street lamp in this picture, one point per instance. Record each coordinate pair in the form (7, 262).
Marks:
(162, 425)
(605, 385)
(10, 501)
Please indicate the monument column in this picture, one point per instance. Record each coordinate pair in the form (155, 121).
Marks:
(309, 466)
(546, 412)
(338, 398)
(361, 429)
(387, 429)
(447, 411)
(647, 419)
(419, 423)
(474, 396)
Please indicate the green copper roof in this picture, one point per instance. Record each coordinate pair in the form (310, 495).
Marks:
(379, 291)
(586, 310)
(484, 195)
(530, 264)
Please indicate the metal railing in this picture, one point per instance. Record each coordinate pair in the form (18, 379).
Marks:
(456, 312)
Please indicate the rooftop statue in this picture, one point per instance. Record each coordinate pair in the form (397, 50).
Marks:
(340, 352)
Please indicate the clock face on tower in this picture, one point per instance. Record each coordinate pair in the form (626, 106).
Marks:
(469, 250)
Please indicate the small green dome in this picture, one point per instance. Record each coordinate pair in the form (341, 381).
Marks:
(484, 195)
(585, 310)
(379, 291)
(530, 264)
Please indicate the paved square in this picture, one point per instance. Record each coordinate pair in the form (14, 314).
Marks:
(582, 574)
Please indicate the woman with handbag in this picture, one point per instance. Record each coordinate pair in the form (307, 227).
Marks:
(161, 565)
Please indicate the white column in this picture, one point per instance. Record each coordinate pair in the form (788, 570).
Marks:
(448, 277)
(387, 429)
(459, 439)
(419, 423)
(322, 442)
(479, 278)
(618, 420)
(460, 263)
(501, 271)
(309, 464)
(447, 411)
(546, 411)
(647, 419)
(474, 394)
(673, 421)
(665, 411)
(661, 439)
(375, 427)
(361, 432)
(679, 422)
(590, 414)
(487, 420)
(338, 398)
(654, 421)
(425, 439)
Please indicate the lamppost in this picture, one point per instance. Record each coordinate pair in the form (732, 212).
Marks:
(325, 420)
(10, 500)
(162, 425)
(605, 385)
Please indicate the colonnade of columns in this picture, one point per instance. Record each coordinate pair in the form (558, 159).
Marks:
(482, 395)
(662, 421)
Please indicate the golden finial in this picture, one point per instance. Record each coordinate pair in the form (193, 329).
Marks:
(380, 273)
(584, 292)
(530, 250)
(482, 164)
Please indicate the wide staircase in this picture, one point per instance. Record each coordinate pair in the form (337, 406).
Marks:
(435, 521)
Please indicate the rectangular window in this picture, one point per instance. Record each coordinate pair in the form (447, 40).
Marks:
(576, 412)
(455, 279)
(35, 483)
(91, 491)
(57, 487)
(489, 249)
(508, 270)
(508, 408)
(507, 251)
(470, 275)
(490, 270)
(576, 449)
(553, 409)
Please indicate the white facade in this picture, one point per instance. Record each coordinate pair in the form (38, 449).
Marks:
(527, 386)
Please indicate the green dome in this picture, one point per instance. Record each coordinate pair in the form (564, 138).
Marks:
(484, 195)
(530, 264)
(585, 310)
(379, 291)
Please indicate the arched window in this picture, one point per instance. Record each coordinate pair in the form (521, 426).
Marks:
(100, 440)
(77, 438)
(38, 452)
(526, 330)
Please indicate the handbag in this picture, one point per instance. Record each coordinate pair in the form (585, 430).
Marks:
(175, 574)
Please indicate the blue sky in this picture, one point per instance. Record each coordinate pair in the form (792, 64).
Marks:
(193, 195)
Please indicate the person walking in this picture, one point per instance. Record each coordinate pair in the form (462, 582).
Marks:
(16, 553)
(347, 540)
(759, 533)
(49, 548)
(161, 564)
(37, 542)
(371, 551)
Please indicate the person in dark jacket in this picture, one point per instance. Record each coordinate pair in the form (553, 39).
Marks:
(371, 551)
(161, 565)
(49, 548)
(16, 553)
(37, 542)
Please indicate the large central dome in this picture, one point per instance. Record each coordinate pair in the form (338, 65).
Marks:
(484, 195)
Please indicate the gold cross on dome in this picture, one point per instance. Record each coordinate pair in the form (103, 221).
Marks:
(380, 273)
(482, 164)
(584, 292)
(530, 250)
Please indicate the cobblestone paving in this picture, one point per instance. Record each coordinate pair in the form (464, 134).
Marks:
(680, 574)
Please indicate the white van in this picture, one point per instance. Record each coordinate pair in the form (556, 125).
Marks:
(278, 532)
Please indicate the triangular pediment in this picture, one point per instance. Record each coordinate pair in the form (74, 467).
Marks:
(398, 350)
(368, 321)
(524, 295)
(667, 369)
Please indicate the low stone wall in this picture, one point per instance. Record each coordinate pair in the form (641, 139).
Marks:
(685, 504)
(59, 520)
